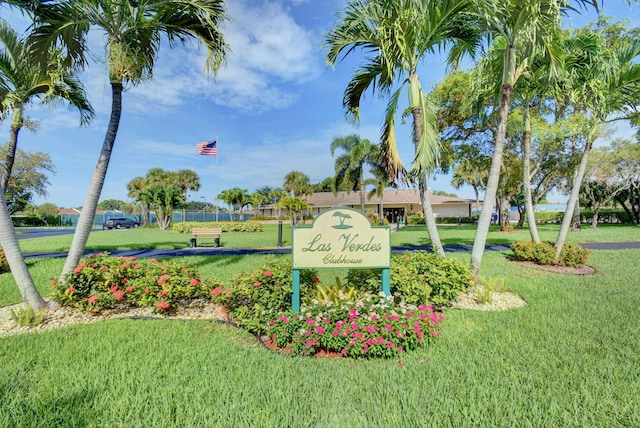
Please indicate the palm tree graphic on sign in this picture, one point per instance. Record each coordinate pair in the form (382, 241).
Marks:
(342, 217)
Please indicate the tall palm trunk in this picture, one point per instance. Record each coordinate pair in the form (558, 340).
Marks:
(362, 193)
(9, 242)
(12, 147)
(415, 103)
(492, 183)
(85, 222)
(575, 191)
(526, 175)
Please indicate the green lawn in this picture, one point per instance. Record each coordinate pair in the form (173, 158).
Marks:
(568, 358)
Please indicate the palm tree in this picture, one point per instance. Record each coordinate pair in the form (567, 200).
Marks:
(24, 77)
(136, 188)
(523, 27)
(187, 179)
(297, 184)
(134, 32)
(350, 165)
(604, 73)
(397, 35)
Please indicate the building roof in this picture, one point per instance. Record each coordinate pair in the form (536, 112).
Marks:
(391, 196)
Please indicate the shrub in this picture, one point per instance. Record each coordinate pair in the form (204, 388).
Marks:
(103, 282)
(374, 326)
(414, 219)
(252, 296)
(418, 277)
(4, 264)
(544, 253)
(226, 226)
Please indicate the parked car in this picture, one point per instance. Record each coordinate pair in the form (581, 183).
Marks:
(119, 223)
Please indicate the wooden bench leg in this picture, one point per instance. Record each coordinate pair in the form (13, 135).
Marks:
(217, 241)
(192, 243)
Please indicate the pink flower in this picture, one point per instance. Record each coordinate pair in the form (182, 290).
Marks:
(153, 261)
(54, 283)
(77, 270)
(70, 290)
(129, 289)
(93, 298)
(114, 288)
(267, 273)
(147, 291)
(103, 268)
(195, 281)
(162, 305)
(409, 315)
(119, 295)
(257, 284)
(123, 281)
(320, 330)
(310, 322)
(400, 363)
(137, 266)
(309, 343)
(216, 291)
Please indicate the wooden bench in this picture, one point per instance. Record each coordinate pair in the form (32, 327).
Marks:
(205, 232)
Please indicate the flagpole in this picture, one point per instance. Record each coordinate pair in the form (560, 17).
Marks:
(218, 155)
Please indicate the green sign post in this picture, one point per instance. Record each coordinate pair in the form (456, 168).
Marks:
(340, 237)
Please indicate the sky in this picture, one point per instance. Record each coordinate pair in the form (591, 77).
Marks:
(273, 109)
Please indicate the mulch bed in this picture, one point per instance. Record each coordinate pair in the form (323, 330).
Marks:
(582, 270)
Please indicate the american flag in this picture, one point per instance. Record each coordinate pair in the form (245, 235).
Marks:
(208, 148)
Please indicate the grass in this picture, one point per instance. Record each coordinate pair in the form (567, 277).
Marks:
(569, 358)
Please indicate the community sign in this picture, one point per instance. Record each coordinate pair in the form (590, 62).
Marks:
(341, 237)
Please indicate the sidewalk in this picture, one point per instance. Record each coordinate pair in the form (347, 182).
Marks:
(221, 251)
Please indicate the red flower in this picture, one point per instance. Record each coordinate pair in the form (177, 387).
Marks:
(129, 289)
(316, 279)
(257, 283)
(92, 299)
(103, 268)
(162, 305)
(114, 288)
(267, 273)
(70, 290)
(137, 266)
(119, 295)
(216, 291)
(153, 261)
(77, 270)
(195, 282)
(124, 281)
(147, 291)
(53, 282)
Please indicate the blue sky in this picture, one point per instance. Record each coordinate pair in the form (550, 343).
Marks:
(275, 108)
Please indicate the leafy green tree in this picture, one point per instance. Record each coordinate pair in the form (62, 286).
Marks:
(29, 177)
(350, 165)
(111, 204)
(133, 32)
(397, 35)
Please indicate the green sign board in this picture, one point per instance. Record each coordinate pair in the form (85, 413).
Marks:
(340, 238)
